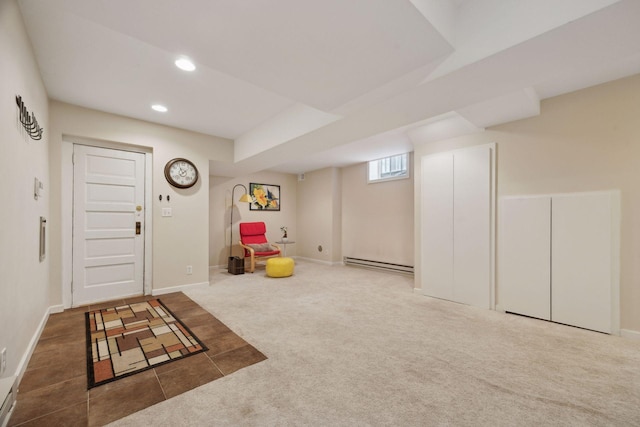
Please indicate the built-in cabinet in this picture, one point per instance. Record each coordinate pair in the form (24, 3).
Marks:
(457, 193)
(559, 258)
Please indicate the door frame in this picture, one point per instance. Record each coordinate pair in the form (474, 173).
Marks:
(66, 209)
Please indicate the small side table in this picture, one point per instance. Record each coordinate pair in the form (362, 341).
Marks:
(284, 244)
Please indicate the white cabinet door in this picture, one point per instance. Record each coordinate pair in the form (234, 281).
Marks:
(437, 226)
(559, 258)
(472, 227)
(524, 245)
(581, 262)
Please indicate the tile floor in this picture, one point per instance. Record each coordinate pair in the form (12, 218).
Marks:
(54, 391)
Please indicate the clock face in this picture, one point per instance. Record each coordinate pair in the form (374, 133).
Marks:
(181, 173)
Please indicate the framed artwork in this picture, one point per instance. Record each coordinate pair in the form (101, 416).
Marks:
(264, 197)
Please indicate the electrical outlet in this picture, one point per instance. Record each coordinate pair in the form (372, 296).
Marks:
(189, 269)
(3, 360)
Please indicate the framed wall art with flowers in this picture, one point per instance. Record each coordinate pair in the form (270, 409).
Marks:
(264, 197)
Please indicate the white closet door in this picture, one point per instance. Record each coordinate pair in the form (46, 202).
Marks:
(581, 263)
(472, 227)
(437, 225)
(525, 252)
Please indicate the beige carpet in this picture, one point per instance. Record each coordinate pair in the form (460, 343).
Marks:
(353, 347)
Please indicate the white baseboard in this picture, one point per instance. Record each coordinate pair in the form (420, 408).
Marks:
(628, 333)
(24, 361)
(318, 261)
(180, 288)
(214, 268)
(56, 309)
(500, 309)
(26, 357)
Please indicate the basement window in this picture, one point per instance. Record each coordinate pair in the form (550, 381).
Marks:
(389, 168)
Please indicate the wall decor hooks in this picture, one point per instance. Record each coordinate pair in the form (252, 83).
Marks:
(28, 120)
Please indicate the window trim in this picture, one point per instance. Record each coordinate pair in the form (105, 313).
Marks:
(390, 178)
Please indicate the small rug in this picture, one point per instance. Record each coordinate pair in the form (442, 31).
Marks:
(132, 338)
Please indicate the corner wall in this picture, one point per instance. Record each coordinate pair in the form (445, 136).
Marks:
(220, 208)
(377, 219)
(583, 141)
(319, 214)
(24, 286)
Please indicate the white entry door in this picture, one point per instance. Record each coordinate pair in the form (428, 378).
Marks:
(108, 224)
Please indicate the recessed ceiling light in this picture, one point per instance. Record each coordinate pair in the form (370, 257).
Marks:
(160, 108)
(185, 64)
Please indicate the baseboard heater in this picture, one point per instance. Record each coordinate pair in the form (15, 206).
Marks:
(8, 397)
(379, 265)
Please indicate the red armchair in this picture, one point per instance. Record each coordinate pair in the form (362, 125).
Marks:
(255, 244)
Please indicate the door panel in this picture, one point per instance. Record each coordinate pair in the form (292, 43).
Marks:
(581, 263)
(472, 227)
(437, 226)
(109, 247)
(109, 273)
(108, 255)
(525, 253)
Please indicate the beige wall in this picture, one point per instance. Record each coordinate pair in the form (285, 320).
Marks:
(220, 207)
(377, 219)
(178, 241)
(24, 286)
(332, 209)
(319, 214)
(583, 141)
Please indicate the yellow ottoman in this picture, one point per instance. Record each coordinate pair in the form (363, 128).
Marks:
(280, 267)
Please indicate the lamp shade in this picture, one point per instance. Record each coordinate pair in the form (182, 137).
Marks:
(245, 198)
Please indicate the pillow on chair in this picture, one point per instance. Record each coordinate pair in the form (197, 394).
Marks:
(262, 247)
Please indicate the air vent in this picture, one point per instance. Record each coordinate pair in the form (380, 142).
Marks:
(8, 396)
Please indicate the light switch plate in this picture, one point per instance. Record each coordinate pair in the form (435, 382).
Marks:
(3, 360)
(166, 212)
(38, 188)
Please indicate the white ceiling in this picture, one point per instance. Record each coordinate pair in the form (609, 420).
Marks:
(304, 84)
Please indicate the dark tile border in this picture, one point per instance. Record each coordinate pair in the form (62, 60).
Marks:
(88, 412)
(90, 377)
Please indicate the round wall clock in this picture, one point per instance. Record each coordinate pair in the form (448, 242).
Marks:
(181, 173)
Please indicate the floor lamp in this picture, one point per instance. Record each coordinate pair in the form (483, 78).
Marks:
(244, 198)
